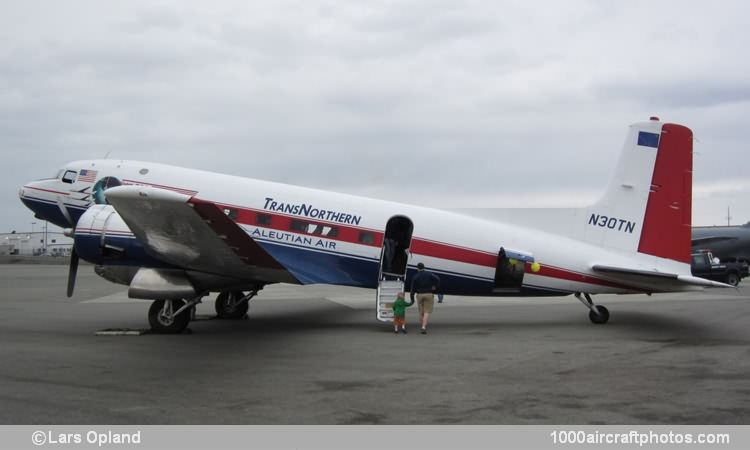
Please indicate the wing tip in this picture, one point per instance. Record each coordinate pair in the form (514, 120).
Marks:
(689, 279)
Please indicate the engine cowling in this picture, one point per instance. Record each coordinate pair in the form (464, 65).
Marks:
(102, 237)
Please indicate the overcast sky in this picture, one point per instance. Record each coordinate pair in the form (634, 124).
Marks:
(441, 103)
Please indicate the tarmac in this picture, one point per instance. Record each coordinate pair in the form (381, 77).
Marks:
(316, 355)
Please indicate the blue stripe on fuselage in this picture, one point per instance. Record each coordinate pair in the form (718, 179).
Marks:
(323, 267)
(50, 211)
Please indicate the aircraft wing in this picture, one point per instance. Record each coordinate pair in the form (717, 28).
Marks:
(652, 275)
(709, 240)
(193, 234)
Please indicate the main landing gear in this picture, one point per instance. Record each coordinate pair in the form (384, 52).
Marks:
(598, 314)
(233, 304)
(173, 316)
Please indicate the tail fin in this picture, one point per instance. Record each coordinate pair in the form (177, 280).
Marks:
(647, 207)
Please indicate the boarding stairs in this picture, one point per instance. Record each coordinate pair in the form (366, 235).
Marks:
(386, 295)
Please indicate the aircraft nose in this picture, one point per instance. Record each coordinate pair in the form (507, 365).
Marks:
(24, 190)
(32, 190)
(41, 198)
(27, 195)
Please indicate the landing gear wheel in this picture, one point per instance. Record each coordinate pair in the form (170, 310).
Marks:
(229, 305)
(733, 279)
(161, 323)
(602, 317)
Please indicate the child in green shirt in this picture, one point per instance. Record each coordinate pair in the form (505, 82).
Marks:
(399, 312)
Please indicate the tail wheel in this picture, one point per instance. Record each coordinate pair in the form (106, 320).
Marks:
(601, 317)
(231, 305)
(162, 319)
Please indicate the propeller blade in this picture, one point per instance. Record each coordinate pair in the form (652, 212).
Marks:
(72, 272)
(64, 211)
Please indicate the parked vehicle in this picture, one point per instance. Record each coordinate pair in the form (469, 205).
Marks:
(704, 265)
(730, 243)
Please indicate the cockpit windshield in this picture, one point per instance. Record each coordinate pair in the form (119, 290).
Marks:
(69, 176)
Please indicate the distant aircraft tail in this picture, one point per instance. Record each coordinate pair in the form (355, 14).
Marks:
(647, 206)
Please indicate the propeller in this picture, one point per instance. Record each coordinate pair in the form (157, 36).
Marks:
(65, 212)
(72, 271)
(70, 232)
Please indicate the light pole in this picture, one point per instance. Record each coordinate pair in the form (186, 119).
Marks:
(44, 247)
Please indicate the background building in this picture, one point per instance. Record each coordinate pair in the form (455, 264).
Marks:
(36, 243)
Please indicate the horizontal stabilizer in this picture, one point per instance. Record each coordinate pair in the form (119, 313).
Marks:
(627, 271)
(654, 274)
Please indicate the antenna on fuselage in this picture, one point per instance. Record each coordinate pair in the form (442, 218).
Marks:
(107, 155)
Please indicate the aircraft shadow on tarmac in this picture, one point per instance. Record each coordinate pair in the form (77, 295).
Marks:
(333, 319)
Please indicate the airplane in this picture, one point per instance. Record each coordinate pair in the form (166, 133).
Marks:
(728, 243)
(174, 235)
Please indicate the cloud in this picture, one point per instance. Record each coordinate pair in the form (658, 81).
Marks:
(490, 101)
(678, 93)
(721, 187)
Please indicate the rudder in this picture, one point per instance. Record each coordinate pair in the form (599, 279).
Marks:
(667, 224)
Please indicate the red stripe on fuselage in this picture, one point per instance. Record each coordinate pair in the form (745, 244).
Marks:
(352, 234)
(454, 253)
(46, 190)
(563, 274)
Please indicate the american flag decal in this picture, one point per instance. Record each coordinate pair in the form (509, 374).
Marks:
(87, 176)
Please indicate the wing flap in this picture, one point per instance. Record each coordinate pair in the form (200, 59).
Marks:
(193, 234)
(235, 237)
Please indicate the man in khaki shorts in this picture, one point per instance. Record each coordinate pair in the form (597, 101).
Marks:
(424, 285)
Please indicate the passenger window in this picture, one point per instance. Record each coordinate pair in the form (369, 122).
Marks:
(231, 212)
(298, 225)
(366, 237)
(263, 219)
(313, 228)
(69, 177)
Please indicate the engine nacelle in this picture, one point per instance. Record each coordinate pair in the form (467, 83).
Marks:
(102, 237)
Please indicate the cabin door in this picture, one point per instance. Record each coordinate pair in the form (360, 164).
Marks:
(509, 271)
(394, 258)
(395, 252)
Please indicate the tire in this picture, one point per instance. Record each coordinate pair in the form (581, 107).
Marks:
(226, 308)
(733, 279)
(600, 318)
(162, 325)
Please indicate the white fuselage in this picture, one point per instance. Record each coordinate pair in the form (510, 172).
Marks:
(461, 249)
